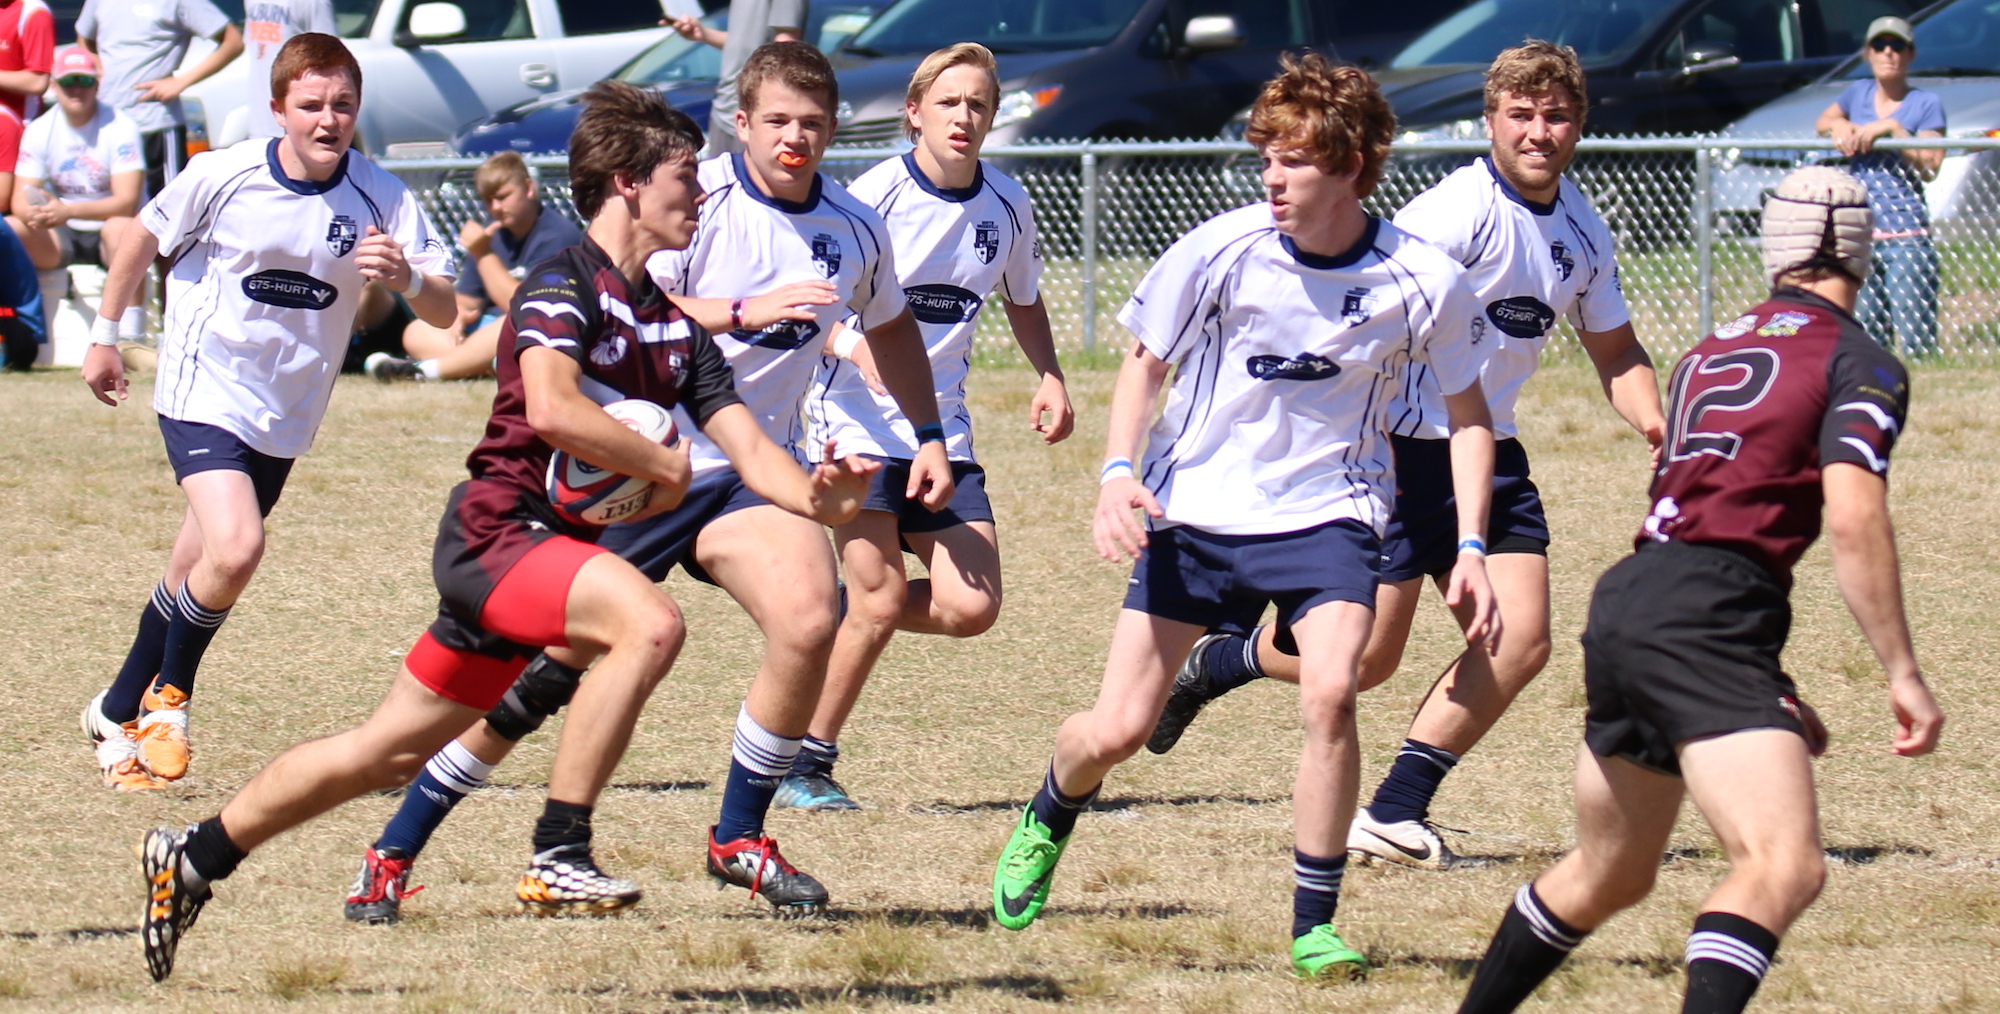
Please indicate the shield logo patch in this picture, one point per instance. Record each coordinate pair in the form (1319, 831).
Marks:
(341, 234)
(986, 241)
(1357, 305)
(826, 255)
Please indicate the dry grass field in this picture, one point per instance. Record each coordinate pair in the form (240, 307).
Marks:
(1174, 896)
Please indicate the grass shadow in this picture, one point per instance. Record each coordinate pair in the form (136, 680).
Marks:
(1028, 987)
(942, 808)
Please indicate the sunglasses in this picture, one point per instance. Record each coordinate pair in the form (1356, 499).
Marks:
(1889, 42)
(77, 81)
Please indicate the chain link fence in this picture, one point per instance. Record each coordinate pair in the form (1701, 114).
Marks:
(1683, 210)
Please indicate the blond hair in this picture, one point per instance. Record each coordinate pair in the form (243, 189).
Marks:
(496, 172)
(1533, 69)
(964, 54)
(1333, 114)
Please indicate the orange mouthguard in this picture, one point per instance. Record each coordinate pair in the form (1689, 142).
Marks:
(791, 159)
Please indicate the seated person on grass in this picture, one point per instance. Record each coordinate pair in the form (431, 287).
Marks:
(497, 254)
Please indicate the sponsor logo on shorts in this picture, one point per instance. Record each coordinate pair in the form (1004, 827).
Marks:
(1304, 366)
(341, 234)
(1784, 324)
(290, 289)
(1521, 316)
(1737, 328)
(986, 241)
(826, 255)
(784, 336)
(942, 304)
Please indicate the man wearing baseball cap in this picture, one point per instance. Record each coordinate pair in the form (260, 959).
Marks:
(78, 180)
(1898, 304)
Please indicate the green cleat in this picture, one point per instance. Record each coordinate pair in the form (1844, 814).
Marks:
(1021, 881)
(1321, 956)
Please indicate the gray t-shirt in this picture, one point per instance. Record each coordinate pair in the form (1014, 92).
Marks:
(145, 40)
(267, 25)
(750, 26)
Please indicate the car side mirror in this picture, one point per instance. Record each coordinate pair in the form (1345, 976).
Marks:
(1709, 57)
(1211, 33)
(432, 22)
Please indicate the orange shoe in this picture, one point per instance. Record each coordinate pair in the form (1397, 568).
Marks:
(117, 754)
(163, 732)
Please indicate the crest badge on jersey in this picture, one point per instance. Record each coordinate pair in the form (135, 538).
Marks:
(341, 234)
(1737, 328)
(1561, 255)
(826, 255)
(986, 241)
(1357, 305)
(1784, 324)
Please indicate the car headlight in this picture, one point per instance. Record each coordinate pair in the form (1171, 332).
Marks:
(1022, 103)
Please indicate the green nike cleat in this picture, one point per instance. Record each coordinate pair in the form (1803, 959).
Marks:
(1021, 881)
(1321, 956)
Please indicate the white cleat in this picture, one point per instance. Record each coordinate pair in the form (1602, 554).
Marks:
(1405, 842)
(117, 754)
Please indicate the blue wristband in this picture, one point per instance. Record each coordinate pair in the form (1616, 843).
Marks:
(1472, 544)
(929, 432)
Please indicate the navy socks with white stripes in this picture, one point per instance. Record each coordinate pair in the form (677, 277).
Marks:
(1315, 890)
(1056, 811)
(1530, 944)
(1412, 782)
(1231, 662)
(142, 663)
(451, 775)
(816, 757)
(190, 630)
(1727, 956)
(759, 759)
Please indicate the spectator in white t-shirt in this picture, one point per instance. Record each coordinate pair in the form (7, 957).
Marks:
(80, 173)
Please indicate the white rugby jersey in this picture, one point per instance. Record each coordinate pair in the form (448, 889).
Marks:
(748, 243)
(263, 288)
(953, 247)
(1528, 263)
(1287, 362)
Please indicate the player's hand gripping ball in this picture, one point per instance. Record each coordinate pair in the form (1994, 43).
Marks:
(585, 494)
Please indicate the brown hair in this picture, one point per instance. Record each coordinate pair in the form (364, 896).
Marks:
(624, 130)
(796, 65)
(1332, 113)
(1533, 69)
(496, 172)
(311, 53)
(964, 54)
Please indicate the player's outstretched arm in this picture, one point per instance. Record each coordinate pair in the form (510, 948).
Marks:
(1119, 492)
(830, 494)
(755, 313)
(569, 421)
(103, 370)
(905, 367)
(1865, 566)
(1038, 343)
(1472, 486)
(1630, 382)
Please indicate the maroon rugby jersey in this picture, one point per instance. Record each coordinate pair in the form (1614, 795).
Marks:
(1755, 410)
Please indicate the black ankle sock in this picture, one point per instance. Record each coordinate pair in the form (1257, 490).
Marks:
(1056, 811)
(211, 853)
(1727, 956)
(562, 824)
(1529, 945)
(816, 757)
(1406, 793)
(142, 663)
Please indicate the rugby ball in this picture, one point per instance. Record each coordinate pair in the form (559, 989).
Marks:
(585, 494)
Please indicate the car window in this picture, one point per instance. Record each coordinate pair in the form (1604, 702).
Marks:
(596, 17)
(1847, 20)
(1602, 31)
(1265, 24)
(1761, 31)
(1374, 17)
(677, 59)
(486, 20)
(1961, 40)
(830, 24)
(916, 27)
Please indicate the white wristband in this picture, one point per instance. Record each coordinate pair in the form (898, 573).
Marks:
(844, 343)
(416, 284)
(104, 330)
(1472, 544)
(1116, 468)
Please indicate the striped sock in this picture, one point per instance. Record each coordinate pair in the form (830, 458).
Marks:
(1405, 794)
(1056, 811)
(1727, 956)
(816, 757)
(452, 774)
(1315, 890)
(758, 760)
(142, 663)
(1529, 946)
(193, 626)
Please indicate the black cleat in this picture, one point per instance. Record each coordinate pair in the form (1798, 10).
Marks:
(171, 906)
(1191, 694)
(755, 865)
(377, 896)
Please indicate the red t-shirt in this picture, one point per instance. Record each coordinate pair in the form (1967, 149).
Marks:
(27, 42)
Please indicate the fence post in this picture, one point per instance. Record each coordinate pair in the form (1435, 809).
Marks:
(1704, 235)
(1089, 250)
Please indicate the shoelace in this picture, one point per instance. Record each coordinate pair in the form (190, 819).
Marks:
(1023, 862)
(767, 852)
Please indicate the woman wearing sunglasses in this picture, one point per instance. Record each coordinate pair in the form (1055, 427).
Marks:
(1899, 299)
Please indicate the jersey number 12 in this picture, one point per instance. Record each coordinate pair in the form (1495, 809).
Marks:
(1730, 382)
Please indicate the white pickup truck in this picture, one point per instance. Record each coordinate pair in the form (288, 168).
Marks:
(428, 66)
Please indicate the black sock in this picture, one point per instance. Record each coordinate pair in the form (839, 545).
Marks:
(188, 633)
(209, 853)
(562, 824)
(816, 757)
(142, 663)
(1530, 945)
(1056, 811)
(1231, 662)
(1411, 783)
(1315, 890)
(1727, 956)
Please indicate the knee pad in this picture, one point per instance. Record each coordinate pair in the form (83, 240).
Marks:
(540, 691)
